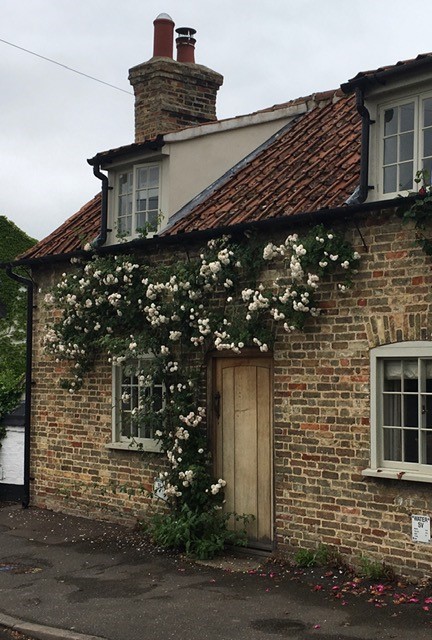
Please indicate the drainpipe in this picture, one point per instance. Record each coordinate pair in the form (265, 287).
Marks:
(27, 282)
(364, 153)
(101, 239)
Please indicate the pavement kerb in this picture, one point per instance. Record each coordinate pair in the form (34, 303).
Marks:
(43, 632)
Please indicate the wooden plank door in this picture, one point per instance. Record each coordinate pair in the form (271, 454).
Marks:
(242, 397)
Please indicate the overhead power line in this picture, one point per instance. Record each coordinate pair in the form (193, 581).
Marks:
(86, 75)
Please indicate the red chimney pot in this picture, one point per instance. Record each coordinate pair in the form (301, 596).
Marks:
(163, 36)
(185, 44)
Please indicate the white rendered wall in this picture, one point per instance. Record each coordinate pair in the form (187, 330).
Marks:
(12, 456)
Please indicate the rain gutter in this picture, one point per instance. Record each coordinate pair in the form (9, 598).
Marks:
(103, 233)
(364, 151)
(345, 213)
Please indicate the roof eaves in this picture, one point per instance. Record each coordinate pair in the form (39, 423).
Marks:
(105, 157)
(288, 221)
(370, 78)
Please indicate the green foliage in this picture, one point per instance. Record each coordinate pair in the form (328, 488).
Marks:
(13, 242)
(419, 212)
(11, 390)
(307, 558)
(178, 312)
(201, 534)
(375, 570)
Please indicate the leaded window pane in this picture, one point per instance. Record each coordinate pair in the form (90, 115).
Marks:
(390, 150)
(428, 376)
(407, 117)
(392, 411)
(125, 225)
(390, 122)
(142, 178)
(125, 205)
(427, 112)
(153, 199)
(153, 220)
(406, 170)
(411, 410)
(427, 142)
(390, 179)
(392, 444)
(406, 146)
(427, 166)
(410, 438)
(140, 220)
(410, 375)
(392, 375)
(125, 183)
(427, 448)
(153, 179)
(427, 411)
(141, 203)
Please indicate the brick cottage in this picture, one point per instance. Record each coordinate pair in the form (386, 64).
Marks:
(328, 437)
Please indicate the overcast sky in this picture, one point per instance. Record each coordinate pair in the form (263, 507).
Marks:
(52, 120)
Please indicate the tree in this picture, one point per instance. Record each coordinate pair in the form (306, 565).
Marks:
(13, 242)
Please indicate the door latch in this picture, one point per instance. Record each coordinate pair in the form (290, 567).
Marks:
(217, 397)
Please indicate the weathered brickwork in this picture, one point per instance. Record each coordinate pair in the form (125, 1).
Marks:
(170, 95)
(321, 417)
(322, 408)
(72, 469)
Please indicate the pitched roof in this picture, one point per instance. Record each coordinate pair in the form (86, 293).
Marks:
(314, 164)
(73, 234)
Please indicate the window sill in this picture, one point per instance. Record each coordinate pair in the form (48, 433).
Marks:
(397, 474)
(147, 447)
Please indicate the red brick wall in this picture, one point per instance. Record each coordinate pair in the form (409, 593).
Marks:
(72, 469)
(321, 417)
(322, 431)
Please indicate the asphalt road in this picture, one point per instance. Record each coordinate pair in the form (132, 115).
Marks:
(78, 577)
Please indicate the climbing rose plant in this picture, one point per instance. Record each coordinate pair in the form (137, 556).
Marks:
(221, 299)
(418, 211)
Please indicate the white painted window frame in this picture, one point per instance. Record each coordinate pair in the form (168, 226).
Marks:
(378, 160)
(134, 169)
(378, 467)
(119, 441)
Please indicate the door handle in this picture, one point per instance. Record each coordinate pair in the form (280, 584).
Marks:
(217, 397)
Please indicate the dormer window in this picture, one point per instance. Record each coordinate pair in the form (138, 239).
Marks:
(406, 143)
(138, 194)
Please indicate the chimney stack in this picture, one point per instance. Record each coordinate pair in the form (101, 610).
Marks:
(172, 94)
(185, 42)
(163, 36)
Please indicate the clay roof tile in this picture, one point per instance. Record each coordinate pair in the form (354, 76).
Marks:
(314, 164)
